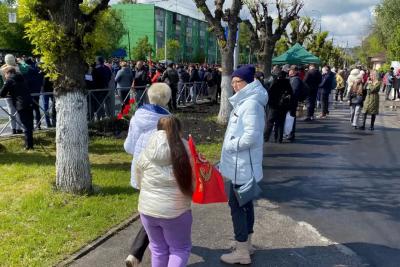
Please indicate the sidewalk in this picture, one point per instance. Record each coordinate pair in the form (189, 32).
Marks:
(280, 240)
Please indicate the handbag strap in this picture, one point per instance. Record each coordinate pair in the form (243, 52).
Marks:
(237, 155)
(251, 165)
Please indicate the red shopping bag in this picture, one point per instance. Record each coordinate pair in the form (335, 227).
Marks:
(209, 182)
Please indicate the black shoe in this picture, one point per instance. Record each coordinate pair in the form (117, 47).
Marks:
(307, 119)
(355, 127)
(362, 128)
(14, 131)
(291, 138)
(29, 148)
(371, 128)
(20, 132)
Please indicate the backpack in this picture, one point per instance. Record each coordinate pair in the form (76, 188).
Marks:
(286, 100)
(305, 91)
(210, 79)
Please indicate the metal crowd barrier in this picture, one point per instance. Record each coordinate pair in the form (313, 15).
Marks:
(107, 103)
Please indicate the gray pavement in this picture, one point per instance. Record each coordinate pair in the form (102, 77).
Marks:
(344, 182)
(281, 240)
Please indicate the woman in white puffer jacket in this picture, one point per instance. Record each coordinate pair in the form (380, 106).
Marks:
(164, 176)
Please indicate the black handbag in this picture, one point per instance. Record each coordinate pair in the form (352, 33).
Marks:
(248, 191)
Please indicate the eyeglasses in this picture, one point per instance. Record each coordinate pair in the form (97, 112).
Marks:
(235, 82)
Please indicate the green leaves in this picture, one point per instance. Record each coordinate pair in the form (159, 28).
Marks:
(53, 43)
(142, 49)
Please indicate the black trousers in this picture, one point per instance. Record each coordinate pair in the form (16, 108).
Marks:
(276, 118)
(36, 109)
(26, 116)
(325, 103)
(311, 100)
(339, 92)
(242, 217)
(140, 244)
(172, 103)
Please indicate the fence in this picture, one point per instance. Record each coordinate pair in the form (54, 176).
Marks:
(102, 103)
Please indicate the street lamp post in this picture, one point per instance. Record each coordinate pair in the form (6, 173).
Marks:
(129, 45)
(165, 36)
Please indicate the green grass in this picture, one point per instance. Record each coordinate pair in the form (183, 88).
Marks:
(212, 151)
(39, 226)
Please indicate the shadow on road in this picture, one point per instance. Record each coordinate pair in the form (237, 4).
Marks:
(304, 256)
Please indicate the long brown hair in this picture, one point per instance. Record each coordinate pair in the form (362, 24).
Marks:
(179, 156)
(357, 87)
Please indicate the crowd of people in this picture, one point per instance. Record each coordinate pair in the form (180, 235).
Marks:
(162, 168)
(126, 77)
(186, 81)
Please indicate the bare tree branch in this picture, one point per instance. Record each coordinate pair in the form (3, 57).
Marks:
(213, 22)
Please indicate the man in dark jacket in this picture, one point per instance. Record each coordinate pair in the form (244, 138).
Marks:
(34, 81)
(312, 80)
(140, 82)
(211, 80)
(325, 89)
(101, 78)
(182, 88)
(171, 77)
(195, 80)
(15, 87)
(280, 100)
(297, 88)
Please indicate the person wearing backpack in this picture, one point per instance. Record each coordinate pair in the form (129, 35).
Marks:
(280, 101)
(356, 101)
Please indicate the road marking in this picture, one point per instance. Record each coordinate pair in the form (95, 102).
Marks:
(342, 248)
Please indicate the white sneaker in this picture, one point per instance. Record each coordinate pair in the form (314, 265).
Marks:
(397, 100)
(132, 261)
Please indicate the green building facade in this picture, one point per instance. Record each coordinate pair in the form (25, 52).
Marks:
(197, 44)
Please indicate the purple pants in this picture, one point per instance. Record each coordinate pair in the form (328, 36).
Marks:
(170, 239)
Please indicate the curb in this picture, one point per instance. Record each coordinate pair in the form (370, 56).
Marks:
(98, 241)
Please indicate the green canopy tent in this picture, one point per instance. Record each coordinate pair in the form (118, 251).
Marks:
(296, 55)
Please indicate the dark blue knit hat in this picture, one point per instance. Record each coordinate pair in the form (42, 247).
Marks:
(246, 73)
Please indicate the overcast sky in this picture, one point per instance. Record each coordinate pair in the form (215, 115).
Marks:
(346, 20)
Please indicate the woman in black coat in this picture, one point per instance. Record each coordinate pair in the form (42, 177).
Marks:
(280, 102)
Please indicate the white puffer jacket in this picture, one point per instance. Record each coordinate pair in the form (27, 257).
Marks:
(160, 196)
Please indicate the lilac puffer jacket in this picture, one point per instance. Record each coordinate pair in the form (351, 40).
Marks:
(141, 127)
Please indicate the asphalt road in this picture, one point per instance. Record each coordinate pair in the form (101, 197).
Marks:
(344, 182)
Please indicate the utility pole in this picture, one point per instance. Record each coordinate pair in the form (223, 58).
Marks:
(165, 36)
(129, 45)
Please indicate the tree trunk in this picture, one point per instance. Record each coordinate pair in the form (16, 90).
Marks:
(226, 87)
(267, 58)
(72, 163)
